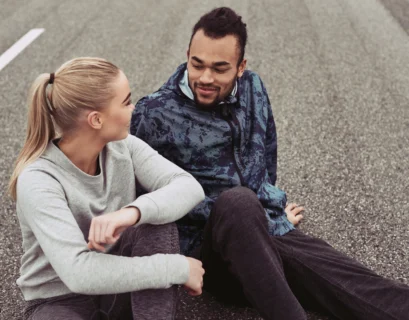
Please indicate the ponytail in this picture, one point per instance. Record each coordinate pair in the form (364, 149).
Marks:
(79, 85)
(40, 129)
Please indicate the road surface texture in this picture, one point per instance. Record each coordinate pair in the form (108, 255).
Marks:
(337, 72)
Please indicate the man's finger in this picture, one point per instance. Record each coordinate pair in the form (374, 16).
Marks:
(297, 210)
(291, 206)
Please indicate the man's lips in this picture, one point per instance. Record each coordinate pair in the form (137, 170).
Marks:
(206, 91)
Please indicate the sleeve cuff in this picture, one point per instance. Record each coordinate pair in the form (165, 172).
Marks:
(178, 269)
(148, 209)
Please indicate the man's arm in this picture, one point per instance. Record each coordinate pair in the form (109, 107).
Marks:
(271, 140)
(293, 211)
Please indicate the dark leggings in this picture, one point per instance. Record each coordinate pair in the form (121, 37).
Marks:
(144, 240)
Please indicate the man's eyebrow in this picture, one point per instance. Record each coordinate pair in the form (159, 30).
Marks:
(127, 97)
(197, 59)
(221, 64)
(214, 64)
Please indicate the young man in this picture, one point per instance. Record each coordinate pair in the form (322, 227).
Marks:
(213, 118)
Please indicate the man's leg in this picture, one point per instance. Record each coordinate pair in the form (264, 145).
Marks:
(146, 240)
(322, 277)
(239, 256)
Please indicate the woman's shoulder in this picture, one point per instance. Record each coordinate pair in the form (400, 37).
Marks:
(129, 144)
(135, 148)
(38, 177)
(40, 168)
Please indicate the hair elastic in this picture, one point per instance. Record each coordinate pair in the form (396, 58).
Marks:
(52, 76)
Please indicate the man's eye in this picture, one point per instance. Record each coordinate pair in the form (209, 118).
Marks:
(220, 71)
(197, 67)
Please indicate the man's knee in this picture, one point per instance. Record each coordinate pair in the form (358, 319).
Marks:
(238, 203)
(236, 198)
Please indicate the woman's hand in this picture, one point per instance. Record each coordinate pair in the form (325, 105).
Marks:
(194, 283)
(293, 212)
(107, 228)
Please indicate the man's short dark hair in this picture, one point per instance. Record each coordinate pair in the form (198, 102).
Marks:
(221, 22)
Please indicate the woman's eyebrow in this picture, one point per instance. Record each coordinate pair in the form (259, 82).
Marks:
(127, 97)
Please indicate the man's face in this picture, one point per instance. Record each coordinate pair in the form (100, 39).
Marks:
(212, 68)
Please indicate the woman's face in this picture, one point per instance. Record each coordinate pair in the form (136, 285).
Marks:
(117, 116)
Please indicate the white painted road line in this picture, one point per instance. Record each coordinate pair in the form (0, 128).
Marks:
(19, 46)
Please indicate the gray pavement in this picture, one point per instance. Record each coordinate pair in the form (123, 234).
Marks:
(338, 77)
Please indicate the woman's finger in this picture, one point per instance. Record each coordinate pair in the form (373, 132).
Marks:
(91, 234)
(97, 246)
(103, 235)
(97, 231)
(110, 234)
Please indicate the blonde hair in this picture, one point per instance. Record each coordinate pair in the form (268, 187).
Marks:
(79, 84)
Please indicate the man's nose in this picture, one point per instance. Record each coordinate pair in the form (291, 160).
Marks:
(206, 77)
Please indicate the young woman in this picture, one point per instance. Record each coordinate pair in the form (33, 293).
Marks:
(93, 243)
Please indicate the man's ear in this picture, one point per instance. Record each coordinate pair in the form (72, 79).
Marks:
(242, 67)
(94, 120)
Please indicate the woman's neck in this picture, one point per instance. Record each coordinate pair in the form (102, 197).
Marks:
(83, 152)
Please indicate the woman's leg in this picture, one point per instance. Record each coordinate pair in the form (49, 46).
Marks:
(145, 240)
(71, 306)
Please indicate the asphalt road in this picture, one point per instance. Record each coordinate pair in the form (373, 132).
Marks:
(338, 76)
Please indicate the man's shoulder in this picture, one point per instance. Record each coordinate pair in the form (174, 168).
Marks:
(164, 98)
(167, 95)
(157, 99)
(252, 79)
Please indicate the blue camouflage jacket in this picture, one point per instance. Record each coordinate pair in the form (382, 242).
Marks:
(234, 144)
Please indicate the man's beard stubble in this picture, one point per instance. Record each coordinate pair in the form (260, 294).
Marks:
(217, 99)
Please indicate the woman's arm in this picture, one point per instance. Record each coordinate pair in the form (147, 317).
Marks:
(172, 191)
(41, 202)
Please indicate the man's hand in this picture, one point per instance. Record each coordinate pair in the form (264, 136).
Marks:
(107, 228)
(293, 212)
(194, 283)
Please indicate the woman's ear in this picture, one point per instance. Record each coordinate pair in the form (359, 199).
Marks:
(94, 120)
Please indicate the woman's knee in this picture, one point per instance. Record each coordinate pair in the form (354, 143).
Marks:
(72, 307)
(150, 239)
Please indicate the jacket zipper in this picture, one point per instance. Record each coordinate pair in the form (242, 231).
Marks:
(233, 130)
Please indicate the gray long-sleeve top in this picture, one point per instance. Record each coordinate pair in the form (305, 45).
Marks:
(56, 202)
